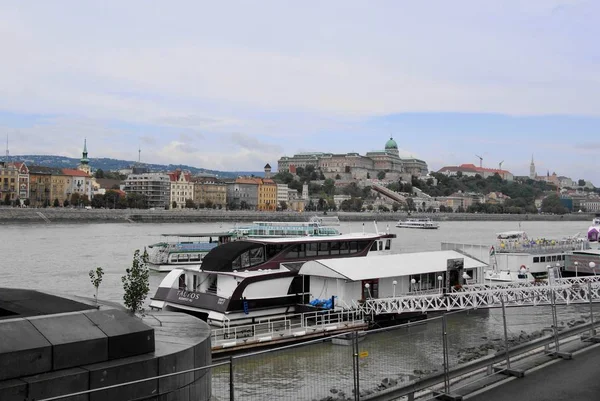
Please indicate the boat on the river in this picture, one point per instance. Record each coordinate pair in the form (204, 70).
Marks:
(420, 222)
(252, 278)
(271, 229)
(593, 233)
(516, 257)
(183, 250)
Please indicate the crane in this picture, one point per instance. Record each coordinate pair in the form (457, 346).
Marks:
(480, 160)
(500, 165)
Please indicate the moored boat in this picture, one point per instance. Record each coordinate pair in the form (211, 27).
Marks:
(422, 222)
(252, 278)
(185, 250)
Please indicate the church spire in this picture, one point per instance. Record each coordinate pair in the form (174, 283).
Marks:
(84, 158)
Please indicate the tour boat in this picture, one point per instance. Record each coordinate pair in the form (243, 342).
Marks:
(593, 233)
(244, 280)
(424, 223)
(269, 229)
(515, 256)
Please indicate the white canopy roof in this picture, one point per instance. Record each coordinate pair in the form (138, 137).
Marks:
(370, 267)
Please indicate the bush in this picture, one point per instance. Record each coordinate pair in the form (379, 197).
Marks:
(136, 282)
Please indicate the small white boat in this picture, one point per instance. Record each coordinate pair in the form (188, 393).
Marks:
(348, 338)
(423, 223)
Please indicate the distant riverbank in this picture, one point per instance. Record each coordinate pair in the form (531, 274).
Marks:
(61, 215)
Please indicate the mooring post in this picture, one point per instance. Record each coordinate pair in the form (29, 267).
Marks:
(445, 352)
(506, 349)
(592, 329)
(231, 380)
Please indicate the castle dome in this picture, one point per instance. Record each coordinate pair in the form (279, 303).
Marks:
(391, 144)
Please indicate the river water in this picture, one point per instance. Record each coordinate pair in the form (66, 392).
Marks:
(57, 257)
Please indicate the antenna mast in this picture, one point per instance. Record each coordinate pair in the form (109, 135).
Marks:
(139, 154)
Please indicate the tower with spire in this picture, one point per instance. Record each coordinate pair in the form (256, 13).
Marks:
(84, 164)
(532, 173)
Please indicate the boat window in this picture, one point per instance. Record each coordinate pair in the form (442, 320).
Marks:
(293, 252)
(536, 259)
(380, 245)
(388, 244)
(554, 258)
(236, 264)
(256, 256)
(273, 249)
(323, 248)
(195, 282)
(374, 246)
(542, 259)
(344, 248)
(335, 248)
(195, 257)
(311, 249)
(353, 246)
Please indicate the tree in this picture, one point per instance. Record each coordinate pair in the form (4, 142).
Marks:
(244, 205)
(136, 282)
(27, 202)
(381, 175)
(209, 204)
(329, 187)
(395, 206)
(552, 204)
(339, 177)
(7, 199)
(461, 209)
(56, 203)
(75, 197)
(189, 204)
(410, 204)
(283, 205)
(96, 280)
(174, 205)
(581, 182)
(442, 208)
(321, 204)
(99, 173)
(66, 203)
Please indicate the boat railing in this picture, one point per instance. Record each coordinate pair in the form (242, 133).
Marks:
(296, 325)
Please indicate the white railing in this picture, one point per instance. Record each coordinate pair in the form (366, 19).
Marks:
(492, 296)
(287, 327)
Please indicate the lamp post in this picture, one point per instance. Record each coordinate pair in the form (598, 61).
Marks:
(413, 282)
(592, 266)
(576, 265)
(439, 279)
(367, 286)
(394, 284)
(465, 277)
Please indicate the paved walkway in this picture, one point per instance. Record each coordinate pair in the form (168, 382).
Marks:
(577, 379)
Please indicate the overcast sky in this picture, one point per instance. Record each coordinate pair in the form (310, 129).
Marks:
(234, 85)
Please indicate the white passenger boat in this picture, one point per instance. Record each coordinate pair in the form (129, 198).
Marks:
(271, 229)
(244, 280)
(423, 223)
(184, 250)
(515, 250)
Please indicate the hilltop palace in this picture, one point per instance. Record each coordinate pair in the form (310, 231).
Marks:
(352, 166)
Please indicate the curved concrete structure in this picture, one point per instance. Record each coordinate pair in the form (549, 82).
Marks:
(53, 346)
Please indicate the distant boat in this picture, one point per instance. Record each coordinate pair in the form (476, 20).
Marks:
(423, 223)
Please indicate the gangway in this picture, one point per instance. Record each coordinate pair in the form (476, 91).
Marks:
(564, 291)
(388, 192)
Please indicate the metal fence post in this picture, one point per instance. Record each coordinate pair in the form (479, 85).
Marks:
(355, 367)
(445, 352)
(554, 319)
(231, 380)
(506, 349)
(592, 329)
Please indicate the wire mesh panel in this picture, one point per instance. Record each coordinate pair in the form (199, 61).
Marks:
(395, 356)
(308, 371)
(221, 383)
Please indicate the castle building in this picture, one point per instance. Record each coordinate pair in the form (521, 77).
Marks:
(353, 166)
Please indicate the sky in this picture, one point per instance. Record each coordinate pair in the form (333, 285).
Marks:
(235, 85)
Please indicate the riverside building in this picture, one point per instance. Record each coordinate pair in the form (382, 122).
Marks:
(155, 187)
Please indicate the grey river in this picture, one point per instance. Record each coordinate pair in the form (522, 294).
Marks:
(57, 258)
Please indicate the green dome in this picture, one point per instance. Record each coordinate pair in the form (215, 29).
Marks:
(391, 144)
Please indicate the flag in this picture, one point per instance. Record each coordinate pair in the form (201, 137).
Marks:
(492, 251)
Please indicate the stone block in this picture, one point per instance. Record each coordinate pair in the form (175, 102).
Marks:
(127, 334)
(173, 358)
(53, 384)
(75, 339)
(13, 390)
(23, 350)
(122, 371)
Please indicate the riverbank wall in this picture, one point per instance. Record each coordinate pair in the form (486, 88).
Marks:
(61, 215)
